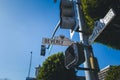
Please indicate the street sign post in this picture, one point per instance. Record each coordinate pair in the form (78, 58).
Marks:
(101, 25)
(57, 41)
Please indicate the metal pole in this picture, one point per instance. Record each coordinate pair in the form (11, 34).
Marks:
(84, 38)
(30, 65)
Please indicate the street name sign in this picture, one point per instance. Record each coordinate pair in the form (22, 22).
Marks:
(52, 41)
(57, 41)
(100, 25)
(110, 15)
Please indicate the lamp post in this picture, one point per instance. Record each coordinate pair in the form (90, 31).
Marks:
(30, 66)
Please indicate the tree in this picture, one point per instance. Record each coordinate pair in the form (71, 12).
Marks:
(113, 73)
(96, 9)
(53, 69)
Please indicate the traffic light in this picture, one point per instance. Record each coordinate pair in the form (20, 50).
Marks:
(74, 55)
(43, 50)
(67, 14)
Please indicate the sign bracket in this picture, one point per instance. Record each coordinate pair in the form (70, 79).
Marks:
(90, 69)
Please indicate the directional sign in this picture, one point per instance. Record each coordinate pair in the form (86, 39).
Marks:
(100, 25)
(57, 41)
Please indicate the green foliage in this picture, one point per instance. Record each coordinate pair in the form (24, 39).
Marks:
(53, 69)
(113, 73)
(89, 20)
(96, 9)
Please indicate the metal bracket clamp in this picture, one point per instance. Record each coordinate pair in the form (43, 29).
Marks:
(84, 32)
(90, 69)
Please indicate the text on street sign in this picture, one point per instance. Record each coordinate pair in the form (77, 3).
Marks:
(100, 25)
(56, 41)
(52, 41)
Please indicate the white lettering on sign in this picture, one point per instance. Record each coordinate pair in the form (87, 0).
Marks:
(97, 30)
(101, 25)
(109, 16)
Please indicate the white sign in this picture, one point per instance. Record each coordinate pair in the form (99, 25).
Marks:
(109, 16)
(101, 25)
(52, 41)
(57, 41)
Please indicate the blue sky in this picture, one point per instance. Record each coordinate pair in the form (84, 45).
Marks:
(23, 24)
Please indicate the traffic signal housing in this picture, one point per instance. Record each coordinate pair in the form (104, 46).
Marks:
(43, 50)
(74, 55)
(67, 14)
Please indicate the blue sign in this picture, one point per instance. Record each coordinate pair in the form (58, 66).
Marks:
(100, 25)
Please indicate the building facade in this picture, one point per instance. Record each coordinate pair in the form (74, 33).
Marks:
(103, 72)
